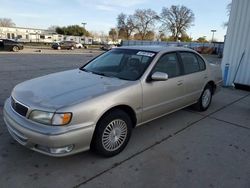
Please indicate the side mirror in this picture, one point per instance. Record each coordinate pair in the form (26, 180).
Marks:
(159, 76)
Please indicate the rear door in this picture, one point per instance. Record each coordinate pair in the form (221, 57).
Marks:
(161, 97)
(195, 75)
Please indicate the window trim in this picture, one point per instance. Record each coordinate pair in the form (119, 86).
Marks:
(148, 79)
(195, 55)
(202, 61)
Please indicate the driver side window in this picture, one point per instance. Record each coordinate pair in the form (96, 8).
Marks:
(168, 63)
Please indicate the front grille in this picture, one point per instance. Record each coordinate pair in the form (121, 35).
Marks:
(19, 108)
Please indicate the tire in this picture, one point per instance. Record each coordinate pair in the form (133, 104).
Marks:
(15, 48)
(107, 143)
(205, 99)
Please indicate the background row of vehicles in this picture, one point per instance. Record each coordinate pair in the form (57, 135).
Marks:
(11, 45)
(71, 45)
(68, 45)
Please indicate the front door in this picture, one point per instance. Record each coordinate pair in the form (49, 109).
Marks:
(161, 97)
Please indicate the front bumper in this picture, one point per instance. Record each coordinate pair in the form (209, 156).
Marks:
(46, 139)
(21, 47)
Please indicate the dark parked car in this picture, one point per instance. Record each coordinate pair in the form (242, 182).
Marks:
(69, 45)
(107, 47)
(10, 45)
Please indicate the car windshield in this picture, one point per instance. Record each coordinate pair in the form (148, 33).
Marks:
(121, 63)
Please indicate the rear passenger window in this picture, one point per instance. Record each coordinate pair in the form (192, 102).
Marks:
(168, 63)
(201, 63)
(190, 62)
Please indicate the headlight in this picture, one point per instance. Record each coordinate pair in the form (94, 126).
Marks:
(50, 118)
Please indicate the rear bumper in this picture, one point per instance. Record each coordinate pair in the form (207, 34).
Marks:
(218, 86)
(48, 139)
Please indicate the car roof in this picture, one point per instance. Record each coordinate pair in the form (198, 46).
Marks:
(11, 40)
(156, 48)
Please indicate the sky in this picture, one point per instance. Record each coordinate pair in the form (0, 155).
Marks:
(100, 15)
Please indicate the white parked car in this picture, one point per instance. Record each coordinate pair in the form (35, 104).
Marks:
(79, 45)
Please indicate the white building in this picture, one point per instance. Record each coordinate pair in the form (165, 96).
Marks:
(236, 56)
(27, 34)
(38, 35)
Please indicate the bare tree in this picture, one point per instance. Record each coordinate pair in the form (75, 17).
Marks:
(113, 34)
(177, 19)
(6, 22)
(144, 21)
(125, 26)
(150, 35)
(53, 28)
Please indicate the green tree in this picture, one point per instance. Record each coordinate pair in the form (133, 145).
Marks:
(74, 30)
(202, 39)
(185, 38)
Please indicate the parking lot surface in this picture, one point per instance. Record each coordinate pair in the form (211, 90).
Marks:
(184, 149)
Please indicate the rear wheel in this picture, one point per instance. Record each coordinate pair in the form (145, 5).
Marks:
(15, 49)
(205, 99)
(112, 133)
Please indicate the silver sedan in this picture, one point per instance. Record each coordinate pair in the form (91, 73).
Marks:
(98, 105)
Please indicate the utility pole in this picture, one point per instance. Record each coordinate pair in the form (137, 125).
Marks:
(213, 31)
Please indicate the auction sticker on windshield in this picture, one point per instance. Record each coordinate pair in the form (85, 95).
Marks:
(148, 54)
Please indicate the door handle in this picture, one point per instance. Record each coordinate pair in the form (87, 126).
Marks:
(205, 76)
(180, 82)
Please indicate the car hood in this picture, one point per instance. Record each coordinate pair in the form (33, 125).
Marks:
(64, 89)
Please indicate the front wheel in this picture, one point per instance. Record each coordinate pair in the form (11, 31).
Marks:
(15, 49)
(112, 133)
(205, 99)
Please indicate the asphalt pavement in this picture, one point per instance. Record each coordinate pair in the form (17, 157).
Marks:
(184, 149)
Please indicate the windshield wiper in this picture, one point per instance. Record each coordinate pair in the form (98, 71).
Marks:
(85, 70)
(99, 73)
(93, 72)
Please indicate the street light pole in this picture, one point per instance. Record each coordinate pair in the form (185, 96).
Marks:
(213, 31)
(84, 24)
